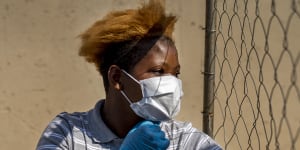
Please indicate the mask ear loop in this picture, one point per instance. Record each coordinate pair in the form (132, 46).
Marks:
(122, 92)
(126, 97)
(130, 76)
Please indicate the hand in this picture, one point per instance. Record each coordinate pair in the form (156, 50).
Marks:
(145, 136)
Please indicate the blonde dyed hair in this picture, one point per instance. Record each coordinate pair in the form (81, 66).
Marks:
(149, 20)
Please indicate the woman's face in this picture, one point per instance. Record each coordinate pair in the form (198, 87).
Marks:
(162, 59)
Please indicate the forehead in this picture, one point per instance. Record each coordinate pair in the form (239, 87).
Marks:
(163, 52)
(162, 48)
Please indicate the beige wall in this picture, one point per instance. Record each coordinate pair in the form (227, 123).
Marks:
(41, 74)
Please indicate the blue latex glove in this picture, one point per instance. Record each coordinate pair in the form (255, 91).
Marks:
(146, 135)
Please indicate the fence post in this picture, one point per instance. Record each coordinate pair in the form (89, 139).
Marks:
(209, 68)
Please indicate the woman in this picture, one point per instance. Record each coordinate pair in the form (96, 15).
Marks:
(136, 56)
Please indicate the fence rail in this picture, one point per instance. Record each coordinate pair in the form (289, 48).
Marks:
(252, 71)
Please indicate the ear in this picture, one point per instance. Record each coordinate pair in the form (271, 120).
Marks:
(114, 75)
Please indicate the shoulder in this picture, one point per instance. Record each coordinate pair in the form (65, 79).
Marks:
(60, 131)
(64, 123)
(72, 119)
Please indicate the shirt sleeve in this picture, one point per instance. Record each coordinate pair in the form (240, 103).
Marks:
(183, 135)
(56, 136)
(200, 141)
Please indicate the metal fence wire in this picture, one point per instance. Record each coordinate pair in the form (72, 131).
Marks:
(252, 71)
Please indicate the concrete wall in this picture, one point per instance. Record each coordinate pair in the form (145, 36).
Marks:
(41, 74)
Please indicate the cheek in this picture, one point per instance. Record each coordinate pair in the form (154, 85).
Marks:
(139, 75)
(146, 75)
(139, 72)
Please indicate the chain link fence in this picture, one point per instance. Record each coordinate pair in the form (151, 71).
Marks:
(252, 71)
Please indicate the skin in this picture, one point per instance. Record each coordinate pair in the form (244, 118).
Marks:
(162, 59)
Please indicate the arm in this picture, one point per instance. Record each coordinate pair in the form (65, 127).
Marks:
(200, 141)
(183, 135)
(56, 135)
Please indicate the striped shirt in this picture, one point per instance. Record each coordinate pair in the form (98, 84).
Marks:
(87, 131)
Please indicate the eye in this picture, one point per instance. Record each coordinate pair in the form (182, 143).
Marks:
(158, 71)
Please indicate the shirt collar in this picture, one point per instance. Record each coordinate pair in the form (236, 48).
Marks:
(100, 132)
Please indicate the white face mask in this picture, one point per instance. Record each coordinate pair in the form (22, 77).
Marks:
(161, 98)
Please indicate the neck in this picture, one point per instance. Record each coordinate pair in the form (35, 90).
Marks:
(118, 116)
